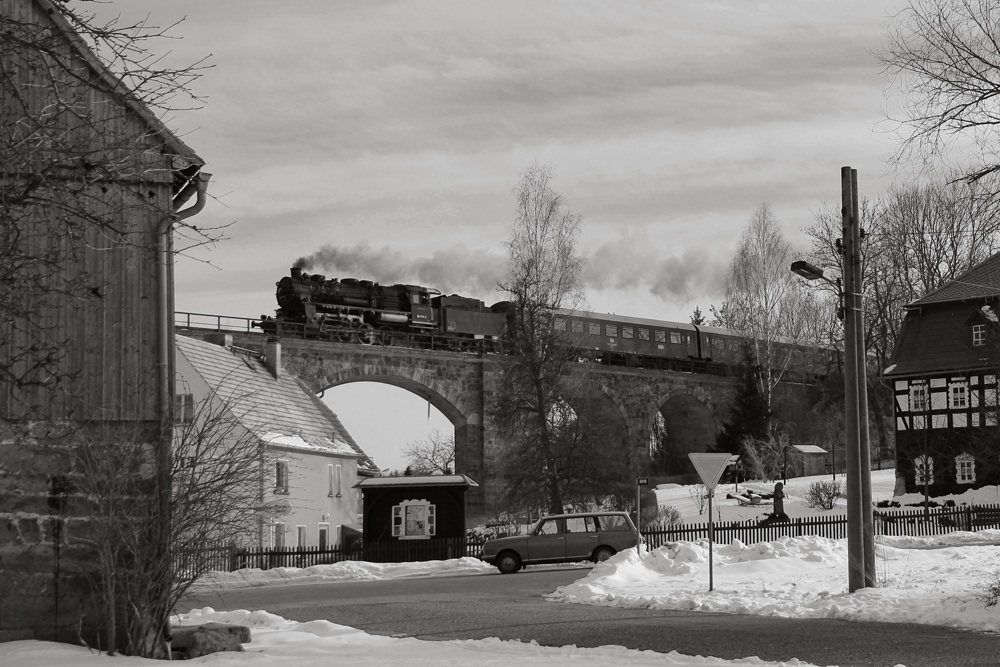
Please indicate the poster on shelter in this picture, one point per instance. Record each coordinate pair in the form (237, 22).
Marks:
(416, 519)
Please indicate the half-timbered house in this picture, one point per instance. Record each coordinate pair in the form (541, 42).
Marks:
(944, 380)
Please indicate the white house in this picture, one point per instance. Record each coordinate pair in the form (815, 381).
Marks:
(312, 463)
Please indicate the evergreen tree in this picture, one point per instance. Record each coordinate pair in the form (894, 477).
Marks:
(749, 415)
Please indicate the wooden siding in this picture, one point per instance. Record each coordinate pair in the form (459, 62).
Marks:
(107, 178)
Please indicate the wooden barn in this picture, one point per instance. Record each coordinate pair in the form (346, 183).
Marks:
(91, 185)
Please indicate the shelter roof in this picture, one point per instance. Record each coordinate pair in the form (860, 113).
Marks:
(417, 480)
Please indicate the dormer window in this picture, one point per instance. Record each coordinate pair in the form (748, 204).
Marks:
(978, 335)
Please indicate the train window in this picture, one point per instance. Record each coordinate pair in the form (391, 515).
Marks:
(611, 330)
(577, 326)
(661, 336)
(626, 332)
(560, 324)
(643, 334)
(595, 328)
(734, 345)
(675, 338)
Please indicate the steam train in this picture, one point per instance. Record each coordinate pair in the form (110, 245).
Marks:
(366, 312)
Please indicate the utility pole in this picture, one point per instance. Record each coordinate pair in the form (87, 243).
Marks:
(860, 526)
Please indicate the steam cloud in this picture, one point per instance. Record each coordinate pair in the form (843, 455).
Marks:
(626, 263)
(455, 270)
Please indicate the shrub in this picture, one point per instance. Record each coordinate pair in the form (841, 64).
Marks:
(667, 515)
(823, 495)
(991, 593)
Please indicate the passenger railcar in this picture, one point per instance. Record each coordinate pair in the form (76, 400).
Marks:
(366, 312)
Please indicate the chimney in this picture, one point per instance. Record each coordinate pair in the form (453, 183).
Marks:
(219, 338)
(272, 357)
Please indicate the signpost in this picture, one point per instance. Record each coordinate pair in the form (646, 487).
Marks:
(639, 483)
(710, 468)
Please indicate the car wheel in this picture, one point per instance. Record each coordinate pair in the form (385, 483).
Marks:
(508, 562)
(601, 554)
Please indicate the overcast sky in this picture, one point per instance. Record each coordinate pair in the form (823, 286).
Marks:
(383, 140)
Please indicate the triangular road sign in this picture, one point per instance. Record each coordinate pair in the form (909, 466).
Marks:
(710, 467)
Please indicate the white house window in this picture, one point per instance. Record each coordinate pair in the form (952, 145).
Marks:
(414, 520)
(918, 397)
(281, 477)
(958, 395)
(278, 535)
(300, 536)
(923, 470)
(965, 469)
(334, 480)
(324, 536)
(978, 335)
(183, 408)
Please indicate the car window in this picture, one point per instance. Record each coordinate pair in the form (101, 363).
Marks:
(550, 527)
(614, 522)
(580, 524)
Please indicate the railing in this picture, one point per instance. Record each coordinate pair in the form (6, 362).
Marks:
(916, 523)
(204, 321)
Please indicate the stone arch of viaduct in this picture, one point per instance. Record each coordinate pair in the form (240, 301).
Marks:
(463, 386)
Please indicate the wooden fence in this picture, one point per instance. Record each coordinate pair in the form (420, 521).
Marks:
(890, 521)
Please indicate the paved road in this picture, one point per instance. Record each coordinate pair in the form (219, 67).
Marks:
(512, 607)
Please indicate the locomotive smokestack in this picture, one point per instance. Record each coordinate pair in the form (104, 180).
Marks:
(296, 272)
(272, 357)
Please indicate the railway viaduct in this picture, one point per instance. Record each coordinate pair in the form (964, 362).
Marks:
(463, 386)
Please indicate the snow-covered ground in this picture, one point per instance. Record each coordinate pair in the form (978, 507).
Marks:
(936, 580)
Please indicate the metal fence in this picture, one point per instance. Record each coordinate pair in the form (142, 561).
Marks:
(888, 521)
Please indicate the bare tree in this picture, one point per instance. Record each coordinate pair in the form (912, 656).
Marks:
(217, 499)
(432, 456)
(89, 176)
(917, 238)
(944, 58)
(766, 304)
(74, 161)
(542, 279)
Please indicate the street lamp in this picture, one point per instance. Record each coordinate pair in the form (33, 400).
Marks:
(860, 526)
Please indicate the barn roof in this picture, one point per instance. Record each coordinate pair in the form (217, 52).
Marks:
(282, 412)
(172, 144)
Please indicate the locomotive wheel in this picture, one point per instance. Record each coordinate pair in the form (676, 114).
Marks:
(367, 335)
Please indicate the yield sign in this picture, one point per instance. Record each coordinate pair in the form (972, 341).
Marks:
(710, 467)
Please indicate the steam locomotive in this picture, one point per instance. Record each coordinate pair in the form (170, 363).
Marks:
(365, 312)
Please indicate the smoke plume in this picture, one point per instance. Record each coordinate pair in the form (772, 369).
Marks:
(625, 264)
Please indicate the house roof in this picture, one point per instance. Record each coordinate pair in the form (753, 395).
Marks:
(171, 142)
(936, 334)
(280, 411)
(979, 282)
